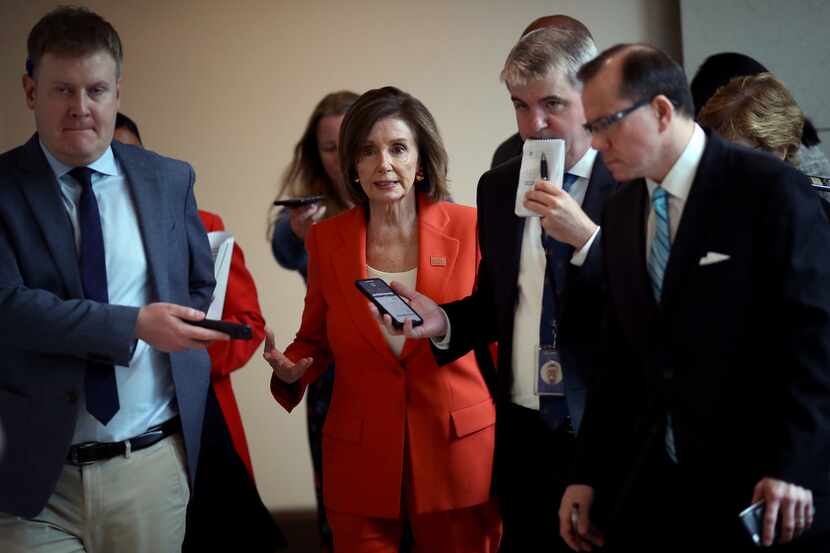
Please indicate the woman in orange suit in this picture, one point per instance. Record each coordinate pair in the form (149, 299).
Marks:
(405, 441)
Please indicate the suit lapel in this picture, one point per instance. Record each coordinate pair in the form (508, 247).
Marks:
(153, 215)
(513, 227)
(625, 248)
(690, 240)
(599, 186)
(437, 256)
(42, 191)
(349, 261)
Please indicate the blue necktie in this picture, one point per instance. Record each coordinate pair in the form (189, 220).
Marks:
(99, 381)
(661, 243)
(657, 260)
(553, 409)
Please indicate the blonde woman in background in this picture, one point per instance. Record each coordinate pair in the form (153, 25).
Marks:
(758, 111)
(314, 171)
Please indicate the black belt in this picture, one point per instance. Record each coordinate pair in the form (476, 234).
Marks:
(90, 452)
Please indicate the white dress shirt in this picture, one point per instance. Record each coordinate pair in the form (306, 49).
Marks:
(528, 315)
(677, 183)
(146, 392)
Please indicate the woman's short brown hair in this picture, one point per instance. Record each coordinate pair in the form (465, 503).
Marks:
(382, 103)
(759, 109)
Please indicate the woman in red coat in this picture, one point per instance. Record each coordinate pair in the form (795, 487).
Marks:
(404, 440)
(225, 494)
(241, 306)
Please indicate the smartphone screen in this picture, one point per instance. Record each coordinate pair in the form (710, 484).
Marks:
(387, 301)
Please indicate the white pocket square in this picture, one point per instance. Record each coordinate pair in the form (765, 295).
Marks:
(713, 257)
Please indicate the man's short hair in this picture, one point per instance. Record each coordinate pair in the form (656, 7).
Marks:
(559, 21)
(645, 73)
(124, 122)
(544, 50)
(74, 32)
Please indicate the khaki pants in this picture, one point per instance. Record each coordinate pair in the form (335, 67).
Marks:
(134, 503)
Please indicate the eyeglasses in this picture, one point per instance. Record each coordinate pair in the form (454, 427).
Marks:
(602, 123)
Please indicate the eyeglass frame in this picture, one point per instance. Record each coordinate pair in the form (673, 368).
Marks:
(600, 124)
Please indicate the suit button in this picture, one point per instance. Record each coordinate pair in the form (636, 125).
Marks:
(72, 396)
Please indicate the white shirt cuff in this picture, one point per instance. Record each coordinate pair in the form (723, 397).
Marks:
(442, 342)
(580, 256)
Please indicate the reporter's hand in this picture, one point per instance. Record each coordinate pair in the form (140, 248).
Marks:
(789, 502)
(285, 369)
(574, 518)
(301, 218)
(162, 326)
(562, 217)
(434, 322)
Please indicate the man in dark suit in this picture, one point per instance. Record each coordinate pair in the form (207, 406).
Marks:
(102, 257)
(512, 147)
(715, 389)
(518, 275)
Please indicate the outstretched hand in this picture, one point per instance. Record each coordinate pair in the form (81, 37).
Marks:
(285, 369)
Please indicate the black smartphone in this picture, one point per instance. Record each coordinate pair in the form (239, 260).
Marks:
(235, 330)
(299, 202)
(752, 519)
(387, 301)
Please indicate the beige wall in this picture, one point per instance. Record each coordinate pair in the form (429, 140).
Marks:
(228, 86)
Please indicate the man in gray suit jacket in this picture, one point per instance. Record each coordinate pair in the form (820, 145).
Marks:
(102, 259)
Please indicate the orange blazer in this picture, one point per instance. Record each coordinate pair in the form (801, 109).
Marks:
(241, 306)
(393, 423)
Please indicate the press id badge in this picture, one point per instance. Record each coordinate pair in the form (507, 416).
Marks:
(550, 380)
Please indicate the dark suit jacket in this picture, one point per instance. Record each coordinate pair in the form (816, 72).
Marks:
(488, 314)
(738, 352)
(49, 331)
(508, 149)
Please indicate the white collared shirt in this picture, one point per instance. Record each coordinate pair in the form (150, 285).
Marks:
(678, 183)
(531, 285)
(146, 392)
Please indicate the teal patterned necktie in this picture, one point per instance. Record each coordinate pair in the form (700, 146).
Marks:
(657, 260)
(661, 243)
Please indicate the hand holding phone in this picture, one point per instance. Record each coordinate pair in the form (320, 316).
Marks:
(788, 510)
(302, 215)
(752, 519)
(234, 330)
(388, 302)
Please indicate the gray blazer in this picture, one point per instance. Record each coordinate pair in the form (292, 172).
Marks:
(48, 331)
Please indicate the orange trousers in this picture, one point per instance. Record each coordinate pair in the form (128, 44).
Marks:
(474, 529)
